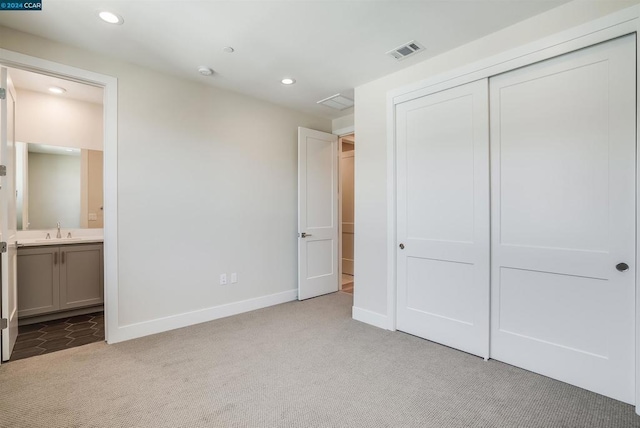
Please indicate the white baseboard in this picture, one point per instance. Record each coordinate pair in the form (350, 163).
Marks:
(173, 322)
(369, 317)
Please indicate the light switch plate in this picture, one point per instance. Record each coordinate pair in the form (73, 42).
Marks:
(93, 216)
(234, 278)
(223, 279)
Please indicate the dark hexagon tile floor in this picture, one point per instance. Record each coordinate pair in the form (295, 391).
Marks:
(51, 336)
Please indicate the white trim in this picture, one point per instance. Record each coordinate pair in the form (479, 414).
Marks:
(391, 212)
(637, 231)
(373, 318)
(609, 27)
(345, 131)
(172, 322)
(110, 108)
(340, 213)
(340, 157)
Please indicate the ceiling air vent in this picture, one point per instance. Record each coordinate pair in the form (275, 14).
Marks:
(337, 101)
(406, 50)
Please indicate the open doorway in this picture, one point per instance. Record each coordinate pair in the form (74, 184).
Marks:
(55, 202)
(347, 218)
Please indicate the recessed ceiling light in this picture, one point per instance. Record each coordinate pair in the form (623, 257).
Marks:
(57, 90)
(205, 71)
(288, 81)
(228, 49)
(111, 17)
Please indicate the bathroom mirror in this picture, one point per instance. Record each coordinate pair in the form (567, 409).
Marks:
(58, 184)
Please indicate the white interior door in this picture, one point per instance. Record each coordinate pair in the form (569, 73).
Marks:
(317, 213)
(443, 217)
(563, 151)
(8, 219)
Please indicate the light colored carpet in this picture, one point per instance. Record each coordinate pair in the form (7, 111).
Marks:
(301, 364)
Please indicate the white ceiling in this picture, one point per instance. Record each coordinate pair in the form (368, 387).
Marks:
(327, 46)
(40, 83)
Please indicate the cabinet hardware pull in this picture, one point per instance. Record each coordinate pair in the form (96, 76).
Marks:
(55, 258)
(62, 258)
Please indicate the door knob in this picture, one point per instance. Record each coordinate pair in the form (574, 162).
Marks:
(402, 246)
(622, 267)
(304, 235)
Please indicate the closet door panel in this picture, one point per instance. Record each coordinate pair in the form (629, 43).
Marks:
(563, 217)
(443, 217)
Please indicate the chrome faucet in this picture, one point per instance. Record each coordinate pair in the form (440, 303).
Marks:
(58, 235)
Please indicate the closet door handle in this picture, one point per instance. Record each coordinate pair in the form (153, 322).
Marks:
(55, 258)
(62, 257)
(622, 267)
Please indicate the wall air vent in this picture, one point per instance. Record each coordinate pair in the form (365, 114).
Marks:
(406, 50)
(337, 101)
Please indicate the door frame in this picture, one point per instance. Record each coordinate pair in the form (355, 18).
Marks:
(621, 23)
(341, 134)
(110, 146)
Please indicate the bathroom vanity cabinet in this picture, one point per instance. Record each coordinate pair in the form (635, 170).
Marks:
(59, 278)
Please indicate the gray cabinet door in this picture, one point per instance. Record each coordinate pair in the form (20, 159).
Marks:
(38, 280)
(81, 276)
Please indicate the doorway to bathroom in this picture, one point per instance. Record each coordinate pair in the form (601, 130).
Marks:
(52, 205)
(347, 217)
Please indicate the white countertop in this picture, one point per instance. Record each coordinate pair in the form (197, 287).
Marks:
(38, 242)
(37, 238)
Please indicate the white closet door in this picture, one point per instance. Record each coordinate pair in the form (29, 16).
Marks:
(563, 150)
(443, 217)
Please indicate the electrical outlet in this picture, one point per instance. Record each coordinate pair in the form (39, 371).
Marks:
(234, 278)
(223, 279)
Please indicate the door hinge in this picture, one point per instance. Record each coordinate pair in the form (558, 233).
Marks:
(3, 170)
(3, 247)
(3, 94)
(3, 323)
